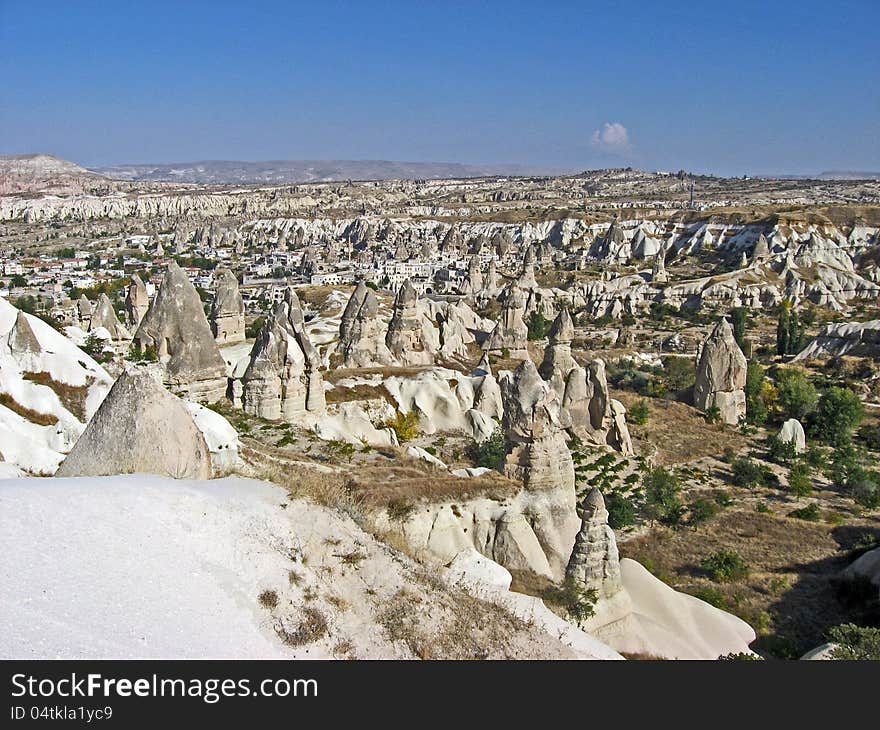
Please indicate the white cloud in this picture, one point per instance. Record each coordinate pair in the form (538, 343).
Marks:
(613, 138)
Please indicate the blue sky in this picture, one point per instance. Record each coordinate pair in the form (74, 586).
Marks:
(725, 87)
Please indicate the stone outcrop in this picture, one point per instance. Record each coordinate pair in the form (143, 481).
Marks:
(558, 361)
(857, 339)
(721, 375)
(282, 379)
(83, 312)
(175, 327)
(140, 428)
(405, 338)
(361, 342)
(527, 279)
(473, 283)
(227, 310)
(761, 251)
(511, 332)
(594, 561)
(105, 317)
(593, 416)
(537, 455)
(137, 302)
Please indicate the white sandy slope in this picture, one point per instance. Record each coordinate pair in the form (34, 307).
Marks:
(662, 622)
(35, 448)
(143, 566)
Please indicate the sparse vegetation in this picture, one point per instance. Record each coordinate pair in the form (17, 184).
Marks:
(490, 451)
(576, 600)
(404, 425)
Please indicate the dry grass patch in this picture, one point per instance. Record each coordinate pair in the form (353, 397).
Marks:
(268, 599)
(676, 433)
(336, 374)
(311, 626)
(451, 625)
(72, 397)
(381, 486)
(359, 392)
(41, 419)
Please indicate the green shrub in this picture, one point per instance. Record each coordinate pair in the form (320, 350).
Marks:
(855, 642)
(621, 511)
(800, 482)
(869, 435)
(678, 372)
(147, 354)
(712, 596)
(701, 511)
(747, 473)
(864, 487)
(712, 414)
(537, 325)
(810, 513)
(756, 407)
(725, 566)
(405, 425)
(95, 348)
(779, 451)
(579, 602)
(638, 412)
(253, 329)
(489, 452)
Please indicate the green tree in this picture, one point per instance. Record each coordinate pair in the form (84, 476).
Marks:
(782, 324)
(756, 408)
(537, 325)
(837, 415)
(662, 501)
(638, 412)
(678, 372)
(855, 642)
(739, 317)
(800, 481)
(797, 396)
(94, 347)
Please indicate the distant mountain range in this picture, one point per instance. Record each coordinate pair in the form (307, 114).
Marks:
(831, 175)
(273, 172)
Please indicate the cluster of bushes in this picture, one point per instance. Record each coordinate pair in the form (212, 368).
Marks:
(490, 451)
(676, 373)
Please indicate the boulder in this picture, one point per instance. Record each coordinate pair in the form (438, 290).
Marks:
(793, 432)
(140, 428)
